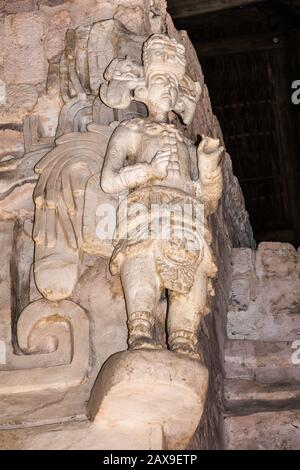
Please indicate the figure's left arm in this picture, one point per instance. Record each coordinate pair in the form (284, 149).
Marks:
(210, 183)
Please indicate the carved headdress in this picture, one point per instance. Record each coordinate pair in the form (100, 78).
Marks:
(160, 53)
(163, 53)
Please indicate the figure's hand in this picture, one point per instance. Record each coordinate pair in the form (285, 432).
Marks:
(209, 153)
(159, 163)
(211, 147)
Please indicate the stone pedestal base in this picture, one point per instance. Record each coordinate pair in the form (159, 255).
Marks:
(149, 400)
(151, 389)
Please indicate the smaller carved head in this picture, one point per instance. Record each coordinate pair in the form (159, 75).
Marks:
(189, 94)
(123, 76)
(161, 84)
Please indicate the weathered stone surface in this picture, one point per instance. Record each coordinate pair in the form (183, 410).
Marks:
(264, 431)
(2, 39)
(243, 261)
(100, 294)
(20, 6)
(52, 3)
(48, 108)
(93, 11)
(56, 28)
(265, 303)
(24, 59)
(40, 407)
(262, 325)
(132, 17)
(83, 436)
(18, 204)
(266, 362)
(261, 364)
(6, 242)
(20, 100)
(142, 386)
(240, 293)
(275, 259)
(55, 342)
(11, 144)
(246, 396)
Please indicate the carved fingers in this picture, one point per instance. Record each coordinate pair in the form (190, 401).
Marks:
(211, 147)
(135, 175)
(209, 154)
(210, 174)
(160, 163)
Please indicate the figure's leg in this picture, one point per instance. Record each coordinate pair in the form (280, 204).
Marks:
(184, 316)
(141, 285)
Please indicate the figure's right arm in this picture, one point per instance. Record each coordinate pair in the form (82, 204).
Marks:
(116, 177)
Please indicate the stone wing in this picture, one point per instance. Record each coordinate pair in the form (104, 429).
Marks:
(67, 197)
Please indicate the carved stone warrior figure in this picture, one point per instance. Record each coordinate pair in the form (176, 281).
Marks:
(160, 168)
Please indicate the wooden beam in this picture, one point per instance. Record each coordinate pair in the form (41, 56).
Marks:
(187, 8)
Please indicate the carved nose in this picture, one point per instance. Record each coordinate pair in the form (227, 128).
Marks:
(171, 57)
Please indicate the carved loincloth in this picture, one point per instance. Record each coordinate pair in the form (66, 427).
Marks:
(171, 224)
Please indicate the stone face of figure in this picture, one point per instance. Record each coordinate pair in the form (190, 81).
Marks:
(159, 167)
(162, 91)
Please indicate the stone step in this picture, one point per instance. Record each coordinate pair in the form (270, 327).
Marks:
(263, 361)
(246, 396)
(263, 431)
(256, 323)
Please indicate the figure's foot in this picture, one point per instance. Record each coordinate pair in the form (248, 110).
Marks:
(185, 342)
(187, 349)
(143, 342)
(140, 325)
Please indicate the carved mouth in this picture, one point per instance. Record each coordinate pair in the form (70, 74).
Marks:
(166, 97)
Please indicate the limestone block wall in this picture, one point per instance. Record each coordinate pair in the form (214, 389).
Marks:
(262, 350)
(32, 34)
